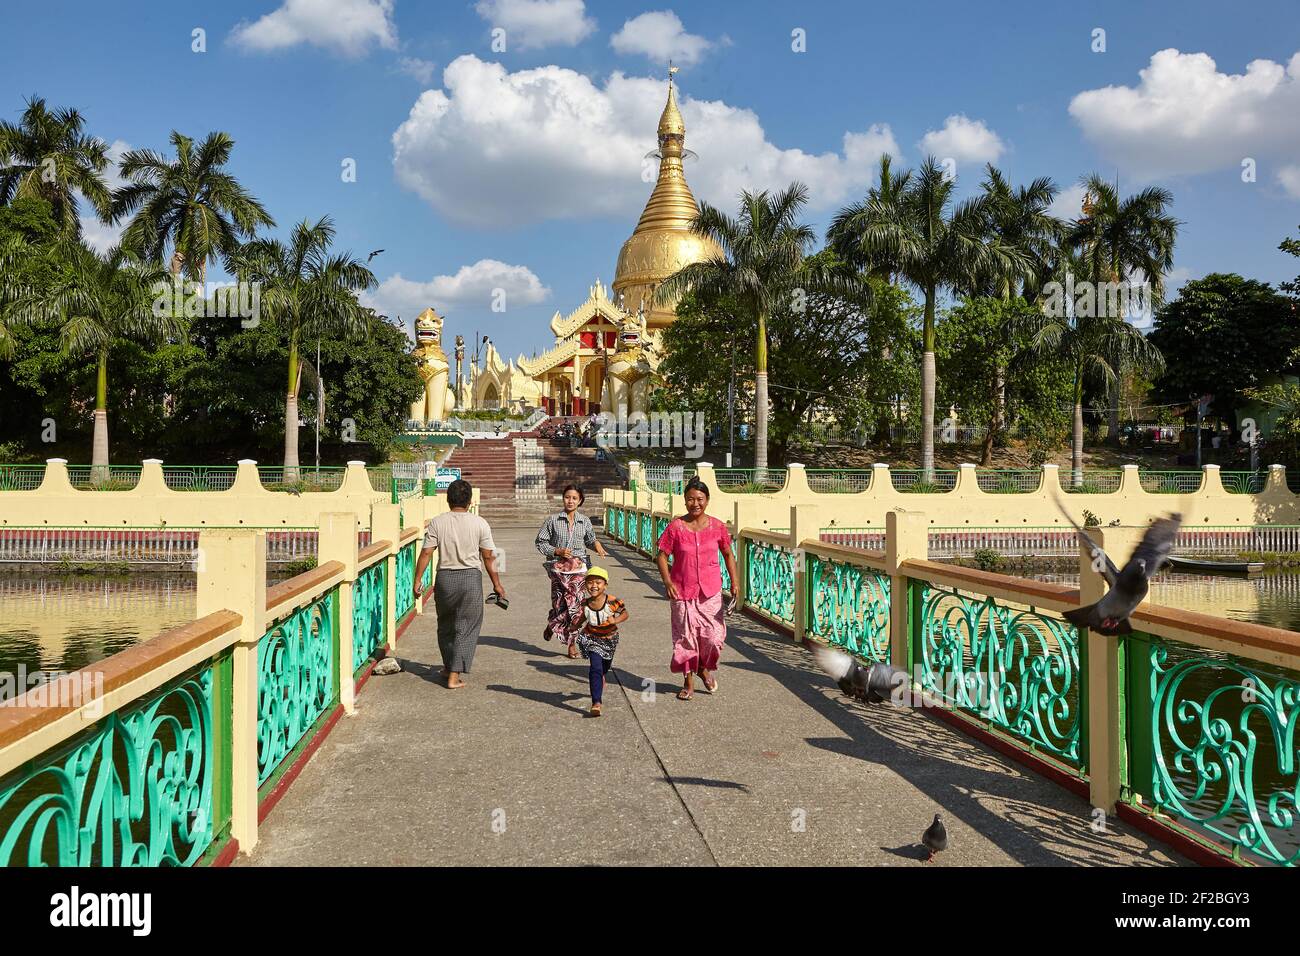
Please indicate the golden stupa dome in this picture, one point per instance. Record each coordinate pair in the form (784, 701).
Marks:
(662, 242)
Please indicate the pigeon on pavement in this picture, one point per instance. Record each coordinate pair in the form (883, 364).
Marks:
(871, 683)
(935, 838)
(1129, 585)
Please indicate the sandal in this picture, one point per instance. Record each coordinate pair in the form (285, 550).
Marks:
(573, 652)
(685, 694)
(710, 687)
(595, 711)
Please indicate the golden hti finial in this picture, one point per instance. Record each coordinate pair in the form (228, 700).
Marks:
(672, 71)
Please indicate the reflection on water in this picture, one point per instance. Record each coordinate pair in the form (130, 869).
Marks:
(62, 622)
(1272, 599)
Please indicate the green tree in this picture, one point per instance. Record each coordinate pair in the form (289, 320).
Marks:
(100, 302)
(1223, 335)
(920, 234)
(1089, 339)
(1116, 239)
(48, 155)
(763, 267)
(308, 293)
(191, 204)
(1291, 246)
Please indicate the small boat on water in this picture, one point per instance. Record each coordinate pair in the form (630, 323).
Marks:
(1196, 566)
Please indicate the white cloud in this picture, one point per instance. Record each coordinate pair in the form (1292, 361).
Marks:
(530, 24)
(1068, 203)
(97, 235)
(473, 287)
(1289, 177)
(414, 67)
(348, 27)
(660, 36)
(963, 140)
(1184, 116)
(496, 148)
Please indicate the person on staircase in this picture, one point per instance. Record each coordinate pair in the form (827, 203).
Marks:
(563, 542)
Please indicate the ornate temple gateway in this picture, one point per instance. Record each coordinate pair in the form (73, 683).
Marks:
(608, 347)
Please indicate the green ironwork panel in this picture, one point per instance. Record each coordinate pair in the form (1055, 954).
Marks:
(914, 480)
(1243, 482)
(1016, 668)
(609, 519)
(21, 477)
(621, 519)
(295, 680)
(405, 579)
(1088, 481)
(1008, 481)
(769, 579)
(1226, 751)
(648, 538)
(848, 606)
(426, 579)
(633, 534)
(104, 477)
(661, 525)
(134, 790)
(1170, 482)
(199, 477)
(726, 576)
(369, 600)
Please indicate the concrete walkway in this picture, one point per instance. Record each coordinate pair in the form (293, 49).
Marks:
(778, 768)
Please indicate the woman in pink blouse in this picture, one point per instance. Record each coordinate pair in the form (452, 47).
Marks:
(695, 543)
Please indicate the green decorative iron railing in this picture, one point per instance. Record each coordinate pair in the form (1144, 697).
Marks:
(620, 523)
(139, 789)
(848, 606)
(1090, 481)
(1016, 668)
(297, 680)
(1243, 482)
(369, 607)
(633, 528)
(1170, 482)
(661, 525)
(199, 477)
(104, 477)
(1011, 481)
(405, 579)
(21, 477)
(769, 579)
(1214, 746)
(744, 480)
(726, 576)
(648, 538)
(914, 481)
(303, 478)
(844, 481)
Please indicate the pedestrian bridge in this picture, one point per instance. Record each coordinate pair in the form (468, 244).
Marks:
(258, 735)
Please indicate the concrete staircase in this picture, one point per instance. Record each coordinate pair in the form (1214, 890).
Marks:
(488, 464)
(577, 466)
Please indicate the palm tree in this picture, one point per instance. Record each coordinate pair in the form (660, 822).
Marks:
(762, 264)
(1092, 342)
(1117, 238)
(100, 300)
(1021, 219)
(190, 204)
(48, 154)
(917, 232)
(308, 293)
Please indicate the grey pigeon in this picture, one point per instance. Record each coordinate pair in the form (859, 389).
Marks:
(935, 838)
(388, 665)
(1128, 586)
(872, 683)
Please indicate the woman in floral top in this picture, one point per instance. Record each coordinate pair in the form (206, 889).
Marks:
(696, 542)
(563, 541)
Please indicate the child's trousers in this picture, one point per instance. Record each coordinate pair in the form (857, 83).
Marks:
(599, 668)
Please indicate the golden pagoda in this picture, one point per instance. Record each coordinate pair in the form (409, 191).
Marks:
(607, 349)
(662, 242)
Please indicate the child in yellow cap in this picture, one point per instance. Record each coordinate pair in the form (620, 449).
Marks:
(598, 618)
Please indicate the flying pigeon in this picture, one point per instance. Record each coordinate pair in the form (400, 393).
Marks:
(935, 838)
(373, 254)
(1128, 586)
(870, 684)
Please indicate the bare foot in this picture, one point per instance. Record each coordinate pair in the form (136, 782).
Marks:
(573, 651)
(710, 686)
(454, 682)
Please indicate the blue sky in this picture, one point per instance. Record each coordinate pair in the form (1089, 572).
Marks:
(480, 169)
